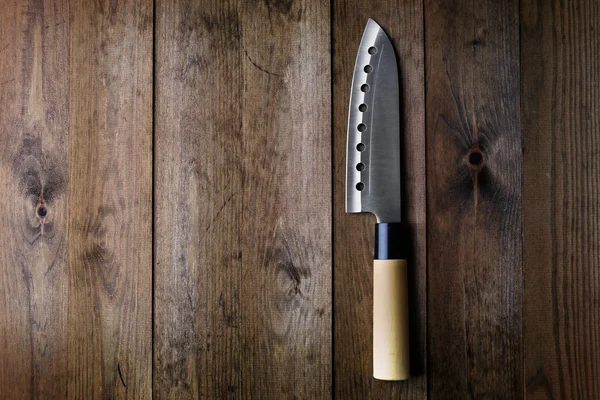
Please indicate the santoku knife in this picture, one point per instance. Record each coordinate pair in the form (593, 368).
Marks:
(373, 185)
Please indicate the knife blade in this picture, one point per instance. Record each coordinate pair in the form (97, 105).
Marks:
(373, 185)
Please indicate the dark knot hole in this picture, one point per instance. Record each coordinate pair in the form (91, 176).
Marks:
(42, 212)
(475, 158)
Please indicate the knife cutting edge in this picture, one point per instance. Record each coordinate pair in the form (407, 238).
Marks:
(373, 185)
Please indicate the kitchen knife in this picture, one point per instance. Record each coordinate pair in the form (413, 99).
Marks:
(373, 185)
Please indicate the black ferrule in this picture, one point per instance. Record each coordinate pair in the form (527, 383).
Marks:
(388, 241)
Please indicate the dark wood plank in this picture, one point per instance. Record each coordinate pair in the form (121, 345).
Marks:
(474, 202)
(286, 235)
(198, 200)
(353, 234)
(243, 194)
(560, 61)
(34, 170)
(110, 200)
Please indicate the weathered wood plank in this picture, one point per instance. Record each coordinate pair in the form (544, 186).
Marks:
(198, 200)
(353, 235)
(243, 220)
(34, 170)
(110, 200)
(286, 235)
(474, 199)
(560, 112)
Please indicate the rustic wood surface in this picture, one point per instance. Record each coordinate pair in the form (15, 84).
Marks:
(110, 207)
(561, 127)
(172, 185)
(34, 171)
(243, 200)
(474, 235)
(76, 169)
(198, 208)
(287, 244)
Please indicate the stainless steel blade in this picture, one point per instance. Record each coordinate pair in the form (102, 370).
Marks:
(373, 152)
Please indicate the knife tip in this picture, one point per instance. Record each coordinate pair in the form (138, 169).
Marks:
(372, 22)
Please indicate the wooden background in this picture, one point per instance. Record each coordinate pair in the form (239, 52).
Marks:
(172, 184)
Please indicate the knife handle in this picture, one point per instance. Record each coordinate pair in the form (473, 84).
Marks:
(390, 308)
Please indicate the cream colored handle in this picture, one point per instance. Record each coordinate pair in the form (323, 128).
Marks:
(390, 321)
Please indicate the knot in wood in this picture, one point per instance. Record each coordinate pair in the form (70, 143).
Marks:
(475, 159)
(42, 212)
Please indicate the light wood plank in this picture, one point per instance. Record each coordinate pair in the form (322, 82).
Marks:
(198, 195)
(34, 171)
(243, 220)
(286, 234)
(110, 200)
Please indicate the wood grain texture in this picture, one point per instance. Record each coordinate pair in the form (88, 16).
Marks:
(243, 194)
(474, 201)
(243, 233)
(110, 200)
(34, 169)
(198, 200)
(287, 252)
(353, 234)
(561, 126)
(286, 334)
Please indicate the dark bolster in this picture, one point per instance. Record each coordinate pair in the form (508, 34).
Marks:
(388, 241)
